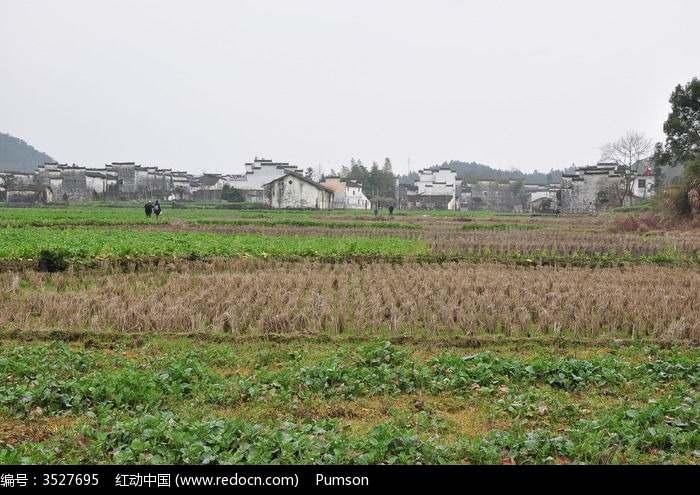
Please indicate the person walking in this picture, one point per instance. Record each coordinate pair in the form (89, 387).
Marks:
(148, 208)
(157, 209)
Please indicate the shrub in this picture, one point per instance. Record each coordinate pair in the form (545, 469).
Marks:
(53, 260)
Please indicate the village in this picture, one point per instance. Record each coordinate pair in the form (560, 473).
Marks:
(278, 185)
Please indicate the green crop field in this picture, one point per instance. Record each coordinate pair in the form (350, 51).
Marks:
(24, 243)
(220, 336)
(179, 402)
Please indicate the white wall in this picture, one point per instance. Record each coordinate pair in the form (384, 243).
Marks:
(292, 192)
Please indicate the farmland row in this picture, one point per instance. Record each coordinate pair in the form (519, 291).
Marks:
(266, 296)
(523, 247)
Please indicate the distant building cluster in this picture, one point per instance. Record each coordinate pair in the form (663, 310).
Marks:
(590, 189)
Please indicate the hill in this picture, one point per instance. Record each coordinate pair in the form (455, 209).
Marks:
(18, 156)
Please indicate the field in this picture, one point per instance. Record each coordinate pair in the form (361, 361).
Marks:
(225, 336)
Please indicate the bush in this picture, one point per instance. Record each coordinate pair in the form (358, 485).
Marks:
(232, 195)
(53, 260)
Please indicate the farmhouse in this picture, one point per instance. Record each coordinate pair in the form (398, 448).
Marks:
(293, 190)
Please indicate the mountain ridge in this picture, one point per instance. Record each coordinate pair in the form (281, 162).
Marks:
(16, 155)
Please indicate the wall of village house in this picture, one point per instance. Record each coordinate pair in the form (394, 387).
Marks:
(491, 195)
(207, 195)
(643, 186)
(18, 178)
(126, 178)
(594, 193)
(74, 186)
(436, 182)
(355, 199)
(339, 189)
(293, 192)
(25, 198)
(579, 196)
(96, 185)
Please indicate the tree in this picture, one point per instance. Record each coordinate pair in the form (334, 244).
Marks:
(358, 173)
(309, 173)
(375, 182)
(629, 151)
(180, 191)
(682, 128)
(388, 182)
(232, 195)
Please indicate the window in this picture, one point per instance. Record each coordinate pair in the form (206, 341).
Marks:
(642, 183)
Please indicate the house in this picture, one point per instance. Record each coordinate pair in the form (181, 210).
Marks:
(207, 187)
(347, 193)
(603, 186)
(260, 172)
(438, 189)
(293, 190)
(28, 195)
(100, 183)
(644, 185)
(497, 195)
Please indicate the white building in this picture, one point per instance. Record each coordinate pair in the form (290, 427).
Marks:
(296, 191)
(437, 188)
(260, 172)
(347, 193)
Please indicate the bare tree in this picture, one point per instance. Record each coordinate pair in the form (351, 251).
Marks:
(629, 152)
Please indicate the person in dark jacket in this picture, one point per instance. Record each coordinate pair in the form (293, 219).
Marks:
(149, 209)
(157, 209)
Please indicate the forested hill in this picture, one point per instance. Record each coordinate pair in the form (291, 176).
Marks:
(18, 156)
(472, 170)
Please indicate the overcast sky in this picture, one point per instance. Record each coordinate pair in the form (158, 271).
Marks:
(207, 85)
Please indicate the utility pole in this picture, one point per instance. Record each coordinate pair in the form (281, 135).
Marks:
(398, 194)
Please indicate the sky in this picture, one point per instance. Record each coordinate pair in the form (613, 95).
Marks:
(205, 86)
